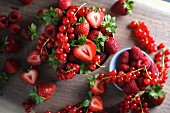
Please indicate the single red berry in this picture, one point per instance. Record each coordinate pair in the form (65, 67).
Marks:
(14, 28)
(161, 46)
(3, 21)
(14, 16)
(167, 52)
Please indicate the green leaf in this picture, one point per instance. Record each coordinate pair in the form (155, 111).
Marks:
(85, 103)
(32, 30)
(84, 68)
(3, 78)
(81, 40)
(51, 60)
(128, 4)
(96, 9)
(99, 42)
(4, 43)
(109, 23)
(81, 20)
(92, 79)
(90, 94)
(49, 17)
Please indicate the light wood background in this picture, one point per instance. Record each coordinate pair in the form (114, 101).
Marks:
(155, 13)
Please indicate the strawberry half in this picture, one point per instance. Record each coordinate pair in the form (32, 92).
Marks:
(97, 86)
(33, 58)
(122, 7)
(85, 51)
(42, 92)
(95, 17)
(30, 77)
(96, 104)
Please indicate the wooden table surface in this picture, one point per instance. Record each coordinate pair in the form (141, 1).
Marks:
(155, 13)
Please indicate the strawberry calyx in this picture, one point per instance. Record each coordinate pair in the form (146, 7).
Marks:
(128, 4)
(51, 60)
(50, 16)
(96, 9)
(81, 40)
(32, 30)
(99, 42)
(109, 23)
(81, 20)
(87, 101)
(26, 70)
(156, 91)
(84, 68)
(3, 78)
(3, 43)
(34, 94)
(92, 79)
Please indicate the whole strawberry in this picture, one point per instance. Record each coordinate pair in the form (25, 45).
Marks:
(82, 27)
(11, 66)
(156, 95)
(28, 32)
(111, 45)
(42, 92)
(14, 16)
(9, 45)
(122, 7)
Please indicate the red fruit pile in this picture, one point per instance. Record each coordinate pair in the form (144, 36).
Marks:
(142, 34)
(74, 41)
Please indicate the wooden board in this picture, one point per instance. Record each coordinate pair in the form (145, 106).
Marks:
(155, 13)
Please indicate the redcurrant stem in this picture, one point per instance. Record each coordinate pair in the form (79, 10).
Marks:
(137, 22)
(32, 111)
(141, 107)
(44, 45)
(105, 78)
(79, 8)
(87, 110)
(163, 63)
(70, 70)
(137, 70)
(138, 94)
(99, 65)
(148, 74)
(79, 107)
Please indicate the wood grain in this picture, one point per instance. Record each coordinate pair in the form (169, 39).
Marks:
(155, 13)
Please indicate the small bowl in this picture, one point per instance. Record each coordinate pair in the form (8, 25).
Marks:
(115, 60)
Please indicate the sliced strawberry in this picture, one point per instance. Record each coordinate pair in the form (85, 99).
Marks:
(99, 88)
(30, 77)
(95, 18)
(85, 52)
(96, 104)
(33, 58)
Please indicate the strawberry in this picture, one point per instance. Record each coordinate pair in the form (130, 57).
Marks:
(33, 58)
(64, 4)
(29, 32)
(30, 76)
(14, 16)
(82, 27)
(93, 34)
(11, 66)
(130, 88)
(95, 17)
(26, 1)
(97, 86)
(50, 16)
(42, 92)
(122, 7)
(85, 51)
(108, 26)
(9, 45)
(111, 45)
(156, 95)
(96, 104)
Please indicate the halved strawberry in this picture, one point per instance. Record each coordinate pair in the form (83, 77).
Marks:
(30, 77)
(99, 88)
(33, 58)
(96, 104)
(95, 17)
(85, 52)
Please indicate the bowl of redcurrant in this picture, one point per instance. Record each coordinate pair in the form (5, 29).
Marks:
(133, 67)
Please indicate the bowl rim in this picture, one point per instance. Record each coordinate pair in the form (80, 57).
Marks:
(113, 59)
